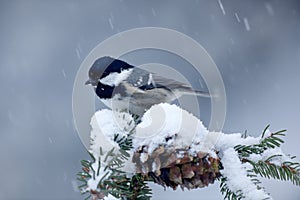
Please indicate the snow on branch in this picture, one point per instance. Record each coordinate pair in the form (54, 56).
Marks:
(171, 147)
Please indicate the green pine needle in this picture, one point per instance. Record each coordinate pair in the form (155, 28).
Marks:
(287, 171)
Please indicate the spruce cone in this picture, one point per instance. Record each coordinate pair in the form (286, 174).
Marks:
(175, 167)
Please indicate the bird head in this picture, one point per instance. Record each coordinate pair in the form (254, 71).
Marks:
(103, 67)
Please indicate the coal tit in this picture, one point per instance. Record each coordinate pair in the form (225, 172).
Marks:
(122, 86)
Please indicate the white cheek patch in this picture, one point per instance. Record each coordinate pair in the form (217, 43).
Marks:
(115, 78)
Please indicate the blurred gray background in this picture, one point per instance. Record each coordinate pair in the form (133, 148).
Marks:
(255, 44)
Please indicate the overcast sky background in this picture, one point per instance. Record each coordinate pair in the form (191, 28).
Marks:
(44, 43)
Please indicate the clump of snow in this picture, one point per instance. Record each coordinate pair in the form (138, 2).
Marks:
(183, 130)
(223, 141)
(171, 126)
(105, 125)
(169, 121)
(237, 179)
(278, 160)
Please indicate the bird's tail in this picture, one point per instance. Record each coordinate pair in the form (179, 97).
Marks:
(202, 93)
(198, 93)
(190, 91)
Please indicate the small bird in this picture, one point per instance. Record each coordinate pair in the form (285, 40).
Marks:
(122, 86)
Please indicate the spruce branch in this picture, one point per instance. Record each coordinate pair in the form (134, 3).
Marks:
(286, 171)
(113, 180)
(270, 141)
(123, 169)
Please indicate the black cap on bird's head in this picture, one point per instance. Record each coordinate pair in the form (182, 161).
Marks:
(103, 66)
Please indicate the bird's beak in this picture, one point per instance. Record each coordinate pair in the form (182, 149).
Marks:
(88, 82)
(91, 82)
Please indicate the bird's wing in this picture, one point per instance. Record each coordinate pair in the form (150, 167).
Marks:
(174, 85)
(169, 83)
(145, 80)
